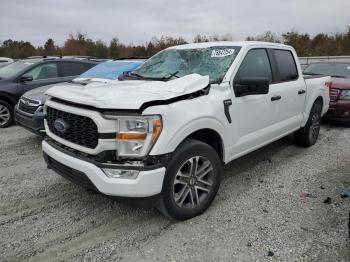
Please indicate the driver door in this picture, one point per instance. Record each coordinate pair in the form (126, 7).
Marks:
(253, 116)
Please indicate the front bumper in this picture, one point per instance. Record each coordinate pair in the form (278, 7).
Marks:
(33, 123)
(338, 111)
(148, 183)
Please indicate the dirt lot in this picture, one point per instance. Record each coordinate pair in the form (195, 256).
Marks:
(259, 209)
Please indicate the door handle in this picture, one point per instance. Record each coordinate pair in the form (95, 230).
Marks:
(302, 91)
(275, 98)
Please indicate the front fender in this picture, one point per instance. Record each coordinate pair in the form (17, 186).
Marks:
(184, 118)
(170, 143)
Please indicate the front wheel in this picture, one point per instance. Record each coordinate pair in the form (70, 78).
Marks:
(192, 180)
(307, 136)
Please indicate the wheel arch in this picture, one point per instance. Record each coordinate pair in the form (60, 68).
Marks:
(210, 137)
(204, 129)
(7, 99)
(318, 99)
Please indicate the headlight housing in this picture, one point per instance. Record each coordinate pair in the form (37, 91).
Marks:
(136, 135)
(345, 95)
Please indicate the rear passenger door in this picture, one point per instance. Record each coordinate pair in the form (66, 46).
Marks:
(290, 87)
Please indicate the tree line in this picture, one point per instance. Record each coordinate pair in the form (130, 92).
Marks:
(322, 44)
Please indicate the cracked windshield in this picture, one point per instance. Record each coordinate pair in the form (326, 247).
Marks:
(175, 63)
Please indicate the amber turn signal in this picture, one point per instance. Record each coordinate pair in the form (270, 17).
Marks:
(157, 129)
(132, 136)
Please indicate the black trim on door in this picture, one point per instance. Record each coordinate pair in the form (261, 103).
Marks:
(273, 64)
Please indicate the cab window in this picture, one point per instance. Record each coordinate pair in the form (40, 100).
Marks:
(256, 64)
(286, 65)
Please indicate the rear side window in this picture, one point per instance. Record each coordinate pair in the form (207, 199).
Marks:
(255, 64)
(74, 68)
(286, 65)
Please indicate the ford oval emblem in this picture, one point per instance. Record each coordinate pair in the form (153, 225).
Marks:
(60, 125)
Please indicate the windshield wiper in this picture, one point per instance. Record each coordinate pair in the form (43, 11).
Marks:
(141, 77)
(137, 75)
(163, 78)
(170, 76)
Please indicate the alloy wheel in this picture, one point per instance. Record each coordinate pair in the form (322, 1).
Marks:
(4, 115)
(315, 126)
(193, 182)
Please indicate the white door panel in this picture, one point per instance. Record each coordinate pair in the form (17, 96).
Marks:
(291, 104)
(254, 118)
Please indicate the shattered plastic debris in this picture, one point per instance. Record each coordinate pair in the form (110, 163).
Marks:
(328, 200)
(345, 194)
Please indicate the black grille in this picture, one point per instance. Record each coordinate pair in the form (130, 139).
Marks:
(27, 108)
(334, 94)
(69, 173)
(81, 130)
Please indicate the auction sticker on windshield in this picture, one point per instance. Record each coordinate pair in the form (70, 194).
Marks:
(222, 52)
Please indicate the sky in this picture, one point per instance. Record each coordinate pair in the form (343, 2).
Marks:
(137, 21)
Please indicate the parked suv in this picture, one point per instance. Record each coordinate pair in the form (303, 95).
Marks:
(339, 108)
(24, 75)
(32, 117)
(167, 128)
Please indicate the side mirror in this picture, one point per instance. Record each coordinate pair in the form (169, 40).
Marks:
(26, 78)
(252, 86)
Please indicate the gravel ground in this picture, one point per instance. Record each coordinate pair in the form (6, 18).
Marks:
(43, 217)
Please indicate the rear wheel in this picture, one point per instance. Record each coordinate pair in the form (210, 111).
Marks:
(192, 180)
(6, 114)
(307, 136)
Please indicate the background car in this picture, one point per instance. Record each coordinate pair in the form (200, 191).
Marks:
(5, 61)
(339, 108)
(29, 111)
(24, 75)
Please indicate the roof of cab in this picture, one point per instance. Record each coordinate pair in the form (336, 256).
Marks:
(227, 43)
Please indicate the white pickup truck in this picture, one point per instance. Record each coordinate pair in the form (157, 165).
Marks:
(165, 130)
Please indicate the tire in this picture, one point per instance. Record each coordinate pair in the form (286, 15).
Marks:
(307, 136)
(6, 114)
(191, 181)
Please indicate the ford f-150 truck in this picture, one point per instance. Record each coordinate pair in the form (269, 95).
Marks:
(165, 130)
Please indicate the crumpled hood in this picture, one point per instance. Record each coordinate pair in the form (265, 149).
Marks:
(131, 94)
